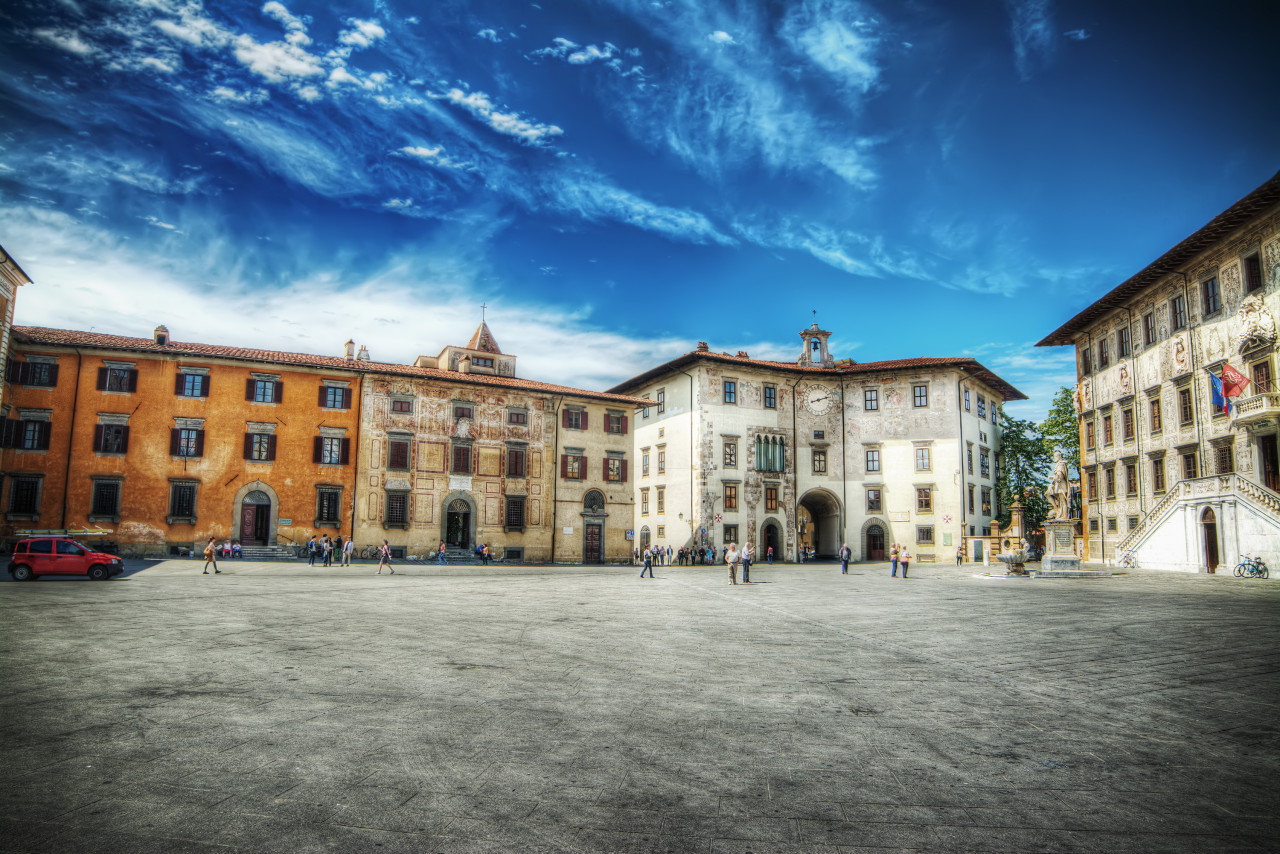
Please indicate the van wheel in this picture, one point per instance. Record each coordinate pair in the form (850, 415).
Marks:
(98, 572)
(23, 573)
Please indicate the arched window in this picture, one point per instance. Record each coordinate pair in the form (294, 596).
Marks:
(593, 502)
(257, 497)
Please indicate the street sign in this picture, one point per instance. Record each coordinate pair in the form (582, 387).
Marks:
(631, 535)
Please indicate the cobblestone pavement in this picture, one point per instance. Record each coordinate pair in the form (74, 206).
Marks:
(283, 708)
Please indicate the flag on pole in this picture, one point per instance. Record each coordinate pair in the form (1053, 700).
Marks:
(1233, 382)
(1219, 399)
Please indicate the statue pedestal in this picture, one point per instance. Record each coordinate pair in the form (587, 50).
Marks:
(1059, 546)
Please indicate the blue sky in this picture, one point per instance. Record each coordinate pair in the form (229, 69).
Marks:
(619, 179)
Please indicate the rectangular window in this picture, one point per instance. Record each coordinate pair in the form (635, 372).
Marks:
(331, 451)
(328, 504)
(922, 459)
(662, 500)
(39, 374)
(984, 462)
(1148, 329)
(182, 502)
(463, 410)
(662, 530)
(515, 461)
(1108, 435)
(662, 462)
(771, 498)
(924, 534)
(966, 400)
(644, 464)
(1133, 522)
(461, 460)
(397, 508)
(871, 399)
(1223, 459)
(1104, 354)
(402, 407)
(1131, 478)
(1110, 478)
(264, 391)
(819, 434)
(1086, 360)
(969, 458)
(924, 499)
(730, 455)
(122, 380)
(334, 397)
(111, 438)
(1157, 474)
(1178, 312)
(106, 498)
(1122, 343)
(261, 447)
(873, 500)
(730, 496)
(1093, 526)
(1185, 413)
(1189, 468)
(873, 461)
(1209, 291)
(572, 467)
(615, 424)
(481, 362)
(982, 407)
(920, 395)
(398, 454)
(730, 391)
(1111, 526)
(515, 513)
(517, 416)
(1262, 378)
(1154, 414)
(613, 469)
(770, 396)
(971, 511)
(1092, 488)
(986, 501)
(1252, 274)
(186, 442)
(819, 462)
(730, 533)
(575, 419)
(662, 400)
(644, 502)
(192, 385)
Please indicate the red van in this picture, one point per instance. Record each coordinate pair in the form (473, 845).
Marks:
(36, 556)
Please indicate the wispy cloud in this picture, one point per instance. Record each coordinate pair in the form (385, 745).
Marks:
(593, 198)
(720, 37)
(509, 123)
(1031, 24)
(836, 36)
(1078, 35)
(65, 39)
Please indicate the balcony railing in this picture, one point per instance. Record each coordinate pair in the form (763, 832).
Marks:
(1257, 407)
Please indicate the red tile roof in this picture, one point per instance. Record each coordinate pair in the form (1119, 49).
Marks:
(842, 368)
(38, 335)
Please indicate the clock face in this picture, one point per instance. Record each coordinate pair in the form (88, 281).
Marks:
(817, 399)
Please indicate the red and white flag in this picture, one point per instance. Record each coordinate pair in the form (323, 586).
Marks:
(1233, 382)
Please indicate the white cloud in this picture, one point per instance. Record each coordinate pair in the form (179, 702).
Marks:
(194, 29)
(590, 54)
(836, 39)
(1078, 35)
(592, 198)
(159, 224)
(68, 40)
(362, 33)
(227, 95)
(489, 35)
(277, 62)
(721, 37)
(434, 156)
(479, 105)
(292, 23)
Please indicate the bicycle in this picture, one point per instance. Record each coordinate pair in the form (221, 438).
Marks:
(1251, 567)
(1129, 560)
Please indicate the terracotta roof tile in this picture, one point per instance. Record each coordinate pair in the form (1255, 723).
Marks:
(39, 335)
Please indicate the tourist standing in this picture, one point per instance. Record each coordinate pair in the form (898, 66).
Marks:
(768, 555)
(441, 560)
(312, 547)
(893, 558)
(211, 557)
(748, 554)
(384, 558)
(337, 550)
(906, 561)
(348, 548)
(959, 555)
(731, 558)
(669, 553)
(845, 554)
(327, 546)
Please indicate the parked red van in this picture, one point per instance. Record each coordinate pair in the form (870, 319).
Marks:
(36, 556)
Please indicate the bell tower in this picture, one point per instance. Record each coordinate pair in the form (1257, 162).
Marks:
(815, 353)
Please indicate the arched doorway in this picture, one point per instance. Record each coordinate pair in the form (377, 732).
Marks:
(1209, 525)
(819, 517)
(770, 538)
(593, 517)
(255, 519)
(644, 538)
(875, 543)
(459, 522)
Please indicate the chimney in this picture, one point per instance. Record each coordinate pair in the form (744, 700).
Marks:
(349, 350)
(702, 347)
(363, 355)
(464, 365)
(742, 354)
(161, 335)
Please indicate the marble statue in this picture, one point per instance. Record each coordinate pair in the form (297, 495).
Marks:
(1059, 489)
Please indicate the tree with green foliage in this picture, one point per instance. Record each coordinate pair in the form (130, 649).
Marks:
(1025, 465)
(1061, 430)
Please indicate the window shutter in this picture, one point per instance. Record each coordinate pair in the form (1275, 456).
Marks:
(248, 445)
(475, 460)
(11, 371)
(42, 441)
(278, 391)
(317, 448)
(323, 389)
(248, 389)
(605, 470)
(624, 425)
(179, 383)
(624, 462)
(102, 379)
(199, 443)
(584, 419)
(133, 380)
(53, 375)
(582, 464)
(564, 418)
(9, 433)
(502, 463)
(564, 466)
(271, 447)
(98, 435)
(204, 386)
(346, 451)
(346, 398)
(124, 439)
(173, 442)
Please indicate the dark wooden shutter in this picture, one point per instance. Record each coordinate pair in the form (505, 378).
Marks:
(278, 391)
(584, 419)
(346, 451)
(582, 466)
(271, 447)
(11, 371)
(564, 418)
(99, 436)
(624, 425)
(323, 389)
(346, 398)
(248, 388)
(564, 466)
(124, 439)
(102, 379)
(204, 386)
(53, 375)
(179, 383)
(248, 446)
(317, 448)
(9, 433)
(624, 466)
(174, 438)
(199, 443)
(606, 469)
(42, 439)
(133, 379)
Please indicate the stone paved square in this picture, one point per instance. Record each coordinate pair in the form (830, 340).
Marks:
(283, 708)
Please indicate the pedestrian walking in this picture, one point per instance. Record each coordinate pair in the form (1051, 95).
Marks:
(906, 561)
(211, 557)
(441, 560)
(648, 563)
(768, 555)
(845, 554)
(748, 554)
(384, 558)
(959, 555)
(893, 558)
(635, 556)
(348, 548)
(312, 548)
(731, 558)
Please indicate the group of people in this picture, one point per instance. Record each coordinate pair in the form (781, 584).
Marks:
(733, 557)
(899, 555)
(684, 556)
(327, 550)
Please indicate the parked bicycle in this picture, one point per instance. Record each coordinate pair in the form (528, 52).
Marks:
(1129, 560)
(1251, 567)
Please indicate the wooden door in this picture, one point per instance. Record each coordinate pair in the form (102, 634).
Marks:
(592, 543)
(1270, 463)
(875, 543)
(261, 524)
(249, 525)
(1210, 524)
